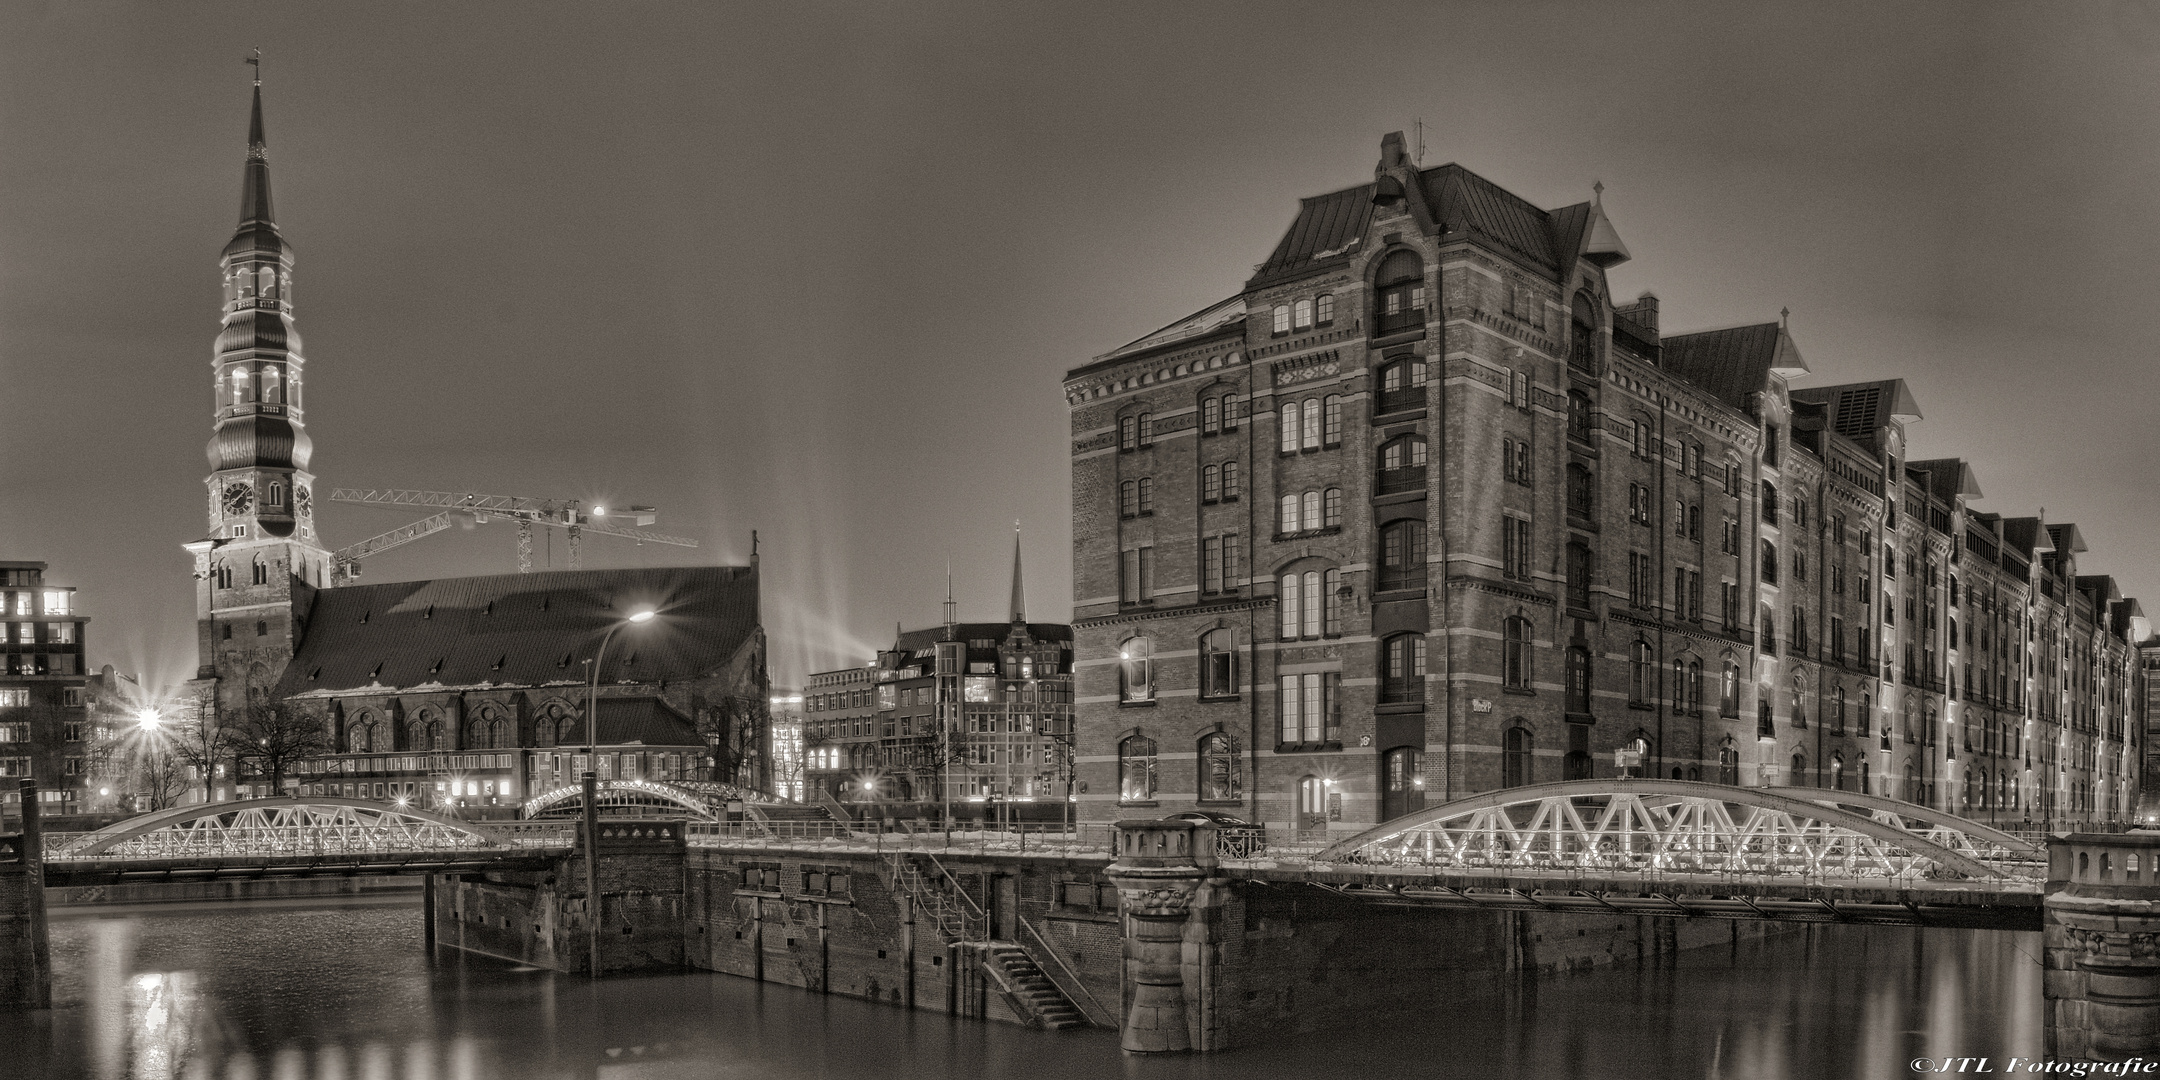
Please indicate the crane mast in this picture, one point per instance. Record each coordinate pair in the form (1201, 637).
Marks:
(569, 515)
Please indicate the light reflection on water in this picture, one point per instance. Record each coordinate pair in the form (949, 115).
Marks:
(260, 992)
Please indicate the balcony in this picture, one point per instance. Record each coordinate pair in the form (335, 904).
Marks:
(1396, 481)
(1385, 322)
(1394, 401)
(1402, 691)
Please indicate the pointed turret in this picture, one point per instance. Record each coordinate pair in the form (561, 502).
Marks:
(1019, 599)
(258, 232)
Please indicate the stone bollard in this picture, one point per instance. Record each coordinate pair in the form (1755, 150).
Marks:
(1161, 873)
(2102, 967)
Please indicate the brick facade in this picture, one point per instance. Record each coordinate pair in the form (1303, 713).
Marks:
(1490, 526)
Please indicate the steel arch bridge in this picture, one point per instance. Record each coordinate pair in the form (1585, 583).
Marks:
(281, 827)
(705, 799)
(1679, 829)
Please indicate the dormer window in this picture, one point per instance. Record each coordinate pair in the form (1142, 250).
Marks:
(1399, 293)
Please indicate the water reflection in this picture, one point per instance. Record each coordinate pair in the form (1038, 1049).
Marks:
(277, 993)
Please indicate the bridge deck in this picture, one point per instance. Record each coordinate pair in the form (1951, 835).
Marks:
(71, 873)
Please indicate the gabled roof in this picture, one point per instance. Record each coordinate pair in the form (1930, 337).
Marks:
(1198, 324)
(1731, 364)
(1330, 229)
(922, 644)
(1858, 410)
(523, 629)
(647, 721)
(1948, 478)
(2067, 538)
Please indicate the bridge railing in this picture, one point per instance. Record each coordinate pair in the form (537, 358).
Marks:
(1024, 839)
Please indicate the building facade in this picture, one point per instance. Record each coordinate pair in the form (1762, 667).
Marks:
(1425, 510)
(468, 693)
(954, 715)
(44, 719)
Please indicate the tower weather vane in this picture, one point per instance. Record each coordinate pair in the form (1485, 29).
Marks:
(255, 61)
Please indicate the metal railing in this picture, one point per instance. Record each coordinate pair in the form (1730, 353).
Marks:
(1098, 1015)
(1015, 839)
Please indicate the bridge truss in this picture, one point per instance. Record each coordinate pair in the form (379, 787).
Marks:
(1680, 829)
(705, 799)
(313, 826)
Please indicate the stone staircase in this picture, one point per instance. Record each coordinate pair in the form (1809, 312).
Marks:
(1025, 983)
(795, 812)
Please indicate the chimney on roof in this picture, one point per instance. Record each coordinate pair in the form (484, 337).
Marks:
(1387, 186)
(1645, 310)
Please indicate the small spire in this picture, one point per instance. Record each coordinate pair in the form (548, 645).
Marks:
(255, 183)
(951, 606)
(1784, 316)
(1019, 600)
(1597, 193)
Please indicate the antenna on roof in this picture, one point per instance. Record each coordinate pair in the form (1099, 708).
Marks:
(1420, 156)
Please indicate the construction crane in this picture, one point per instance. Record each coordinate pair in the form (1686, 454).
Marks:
(568, 515)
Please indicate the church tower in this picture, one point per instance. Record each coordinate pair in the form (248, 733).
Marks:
(257, 571)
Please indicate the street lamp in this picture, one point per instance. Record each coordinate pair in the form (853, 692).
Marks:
(592, 787)
(148, 720)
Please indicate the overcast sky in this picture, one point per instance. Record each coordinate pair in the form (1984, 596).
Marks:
(817, 270)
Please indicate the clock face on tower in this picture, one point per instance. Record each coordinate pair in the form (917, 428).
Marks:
(237, 498)
(303, 500)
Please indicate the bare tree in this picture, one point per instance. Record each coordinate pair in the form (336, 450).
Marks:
(276, 735)
(198, 739)
(735, 730)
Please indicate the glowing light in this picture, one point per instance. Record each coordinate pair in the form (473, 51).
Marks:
(644, 615)
(599, 511)
(148, 719)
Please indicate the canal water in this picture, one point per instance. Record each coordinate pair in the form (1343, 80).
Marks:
(270, 991)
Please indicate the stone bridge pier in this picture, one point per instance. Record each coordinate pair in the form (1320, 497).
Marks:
(25, 959)
(2102, 977)
(1172, 903)
(548, 918)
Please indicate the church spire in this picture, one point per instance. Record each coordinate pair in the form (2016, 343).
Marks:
(255, 182)
(1019, 599)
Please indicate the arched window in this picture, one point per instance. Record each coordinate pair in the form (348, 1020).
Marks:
(1219, 663)
(1221, 780)
(1136, 671)
(1578, 680)
(1576, 765)
(1402, 782)
(258, 574)
(1325, 309)
(1309, 427)
(1136, 769)
(1799, 631)
(1695, 688)
(1288, 519)
(1331, 597)
(1402, 673)
(223, 574)
(1331, 420)
(1799, 770)
(1288, 427)
(1641, 682)
(1729, 693)
(1837, 771)
(1866, 785)
(1210, 416)
(1769, 562)
(357, 737)
(1799, 701)
(272, 392)
(1402, 555)
(239, 387)
(1837, 715)
(1515, 653)
(1128, 499)
(1211, 483)
(1282, 320)
(1302, 316)
(1728, 763)
(1128, 433)
(1578, 415)
(1311, 517)
(1289, 599)
(1402, 384)
(1515, 756)
(1331, 508)
(1231, 412)
(1582, 340)
(1404, 453)
(1581, 497)
(1968, 798)
(1399, 293)
(1765, 722)
(1230, 490)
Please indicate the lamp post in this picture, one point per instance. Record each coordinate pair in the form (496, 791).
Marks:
(592, 789)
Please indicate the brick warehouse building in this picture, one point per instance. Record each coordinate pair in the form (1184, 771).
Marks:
(464, 691)
(1424, 511)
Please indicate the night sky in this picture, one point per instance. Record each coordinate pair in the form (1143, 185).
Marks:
(817, 270)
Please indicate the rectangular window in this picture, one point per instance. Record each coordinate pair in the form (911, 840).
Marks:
(1331, 420)
(1289, 427)
(1308, 705)
(1519, 390)
(1136, 574)
(1515, 547)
